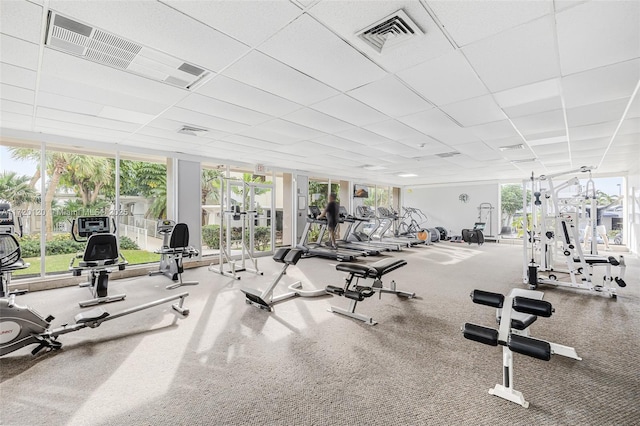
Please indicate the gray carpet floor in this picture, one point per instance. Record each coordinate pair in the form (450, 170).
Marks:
(228, 363)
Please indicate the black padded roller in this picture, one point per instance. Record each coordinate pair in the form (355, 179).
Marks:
(280, 254)
(478, 333)
(293, 256)
(531, 347)
(339, 291)
(487, 298)
(532, 306)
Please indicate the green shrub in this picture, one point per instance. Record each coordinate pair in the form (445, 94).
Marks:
(62, 244)
(211, 236)
(127, 243)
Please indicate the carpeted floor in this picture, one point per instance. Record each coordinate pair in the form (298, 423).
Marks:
(231, 364)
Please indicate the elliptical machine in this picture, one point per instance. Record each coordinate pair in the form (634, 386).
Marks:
(8, 226)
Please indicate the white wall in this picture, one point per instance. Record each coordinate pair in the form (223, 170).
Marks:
(443, 207)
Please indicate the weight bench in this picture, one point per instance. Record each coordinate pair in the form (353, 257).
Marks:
(265, 299)
(357, 293)
(515, 314)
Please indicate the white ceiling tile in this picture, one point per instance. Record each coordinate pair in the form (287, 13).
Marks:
(338, 142)
(251, 143)
(347, 18)
(350, 110)
(536, 123)
(469, 21)
(535, 107)
(78, 130)
(602, 84)
(251, 22)
(565, 4)
(262, 133)
(259, 70)
(16, 76)
(495, 130)
(196, 119)
(394, 130)
(454, 135)
(593, 131)
(425, 145)
(11, 120)
(53, 90)
(560, 149)
(65, 103)
(630, 126)
(364, 137)
(158, 26)
(528, 93)
(598, 33)
(216, 108)
(391, 97)
(76, 70)
(427, 121)
(287, 128)
(178, 141)
(444, 80)
(478, 151)
(21, 19)
(317, 120)
(590, 144)
(84, 119)
(472, 112)
(308, 46)
(16, 107)
(19, 52)
(16, 94)
(303, 148)
(522, 55)
(596, 113)
(237, 93)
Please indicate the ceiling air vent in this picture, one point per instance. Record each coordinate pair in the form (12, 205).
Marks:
(192, 131)
(448, 154)
(391, 31)
(511, 147)
(70, 36)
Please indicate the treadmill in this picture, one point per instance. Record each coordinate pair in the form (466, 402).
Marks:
(350, 239)
(365, 215)
(318, 249)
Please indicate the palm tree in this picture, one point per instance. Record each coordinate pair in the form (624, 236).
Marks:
(16, 189)
(210, 187)
(87, 175)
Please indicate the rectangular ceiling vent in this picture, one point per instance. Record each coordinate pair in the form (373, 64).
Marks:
(192, 131)
(389, 32)
(523, 161)
(448, 154)
(511, 147)
(70, 36)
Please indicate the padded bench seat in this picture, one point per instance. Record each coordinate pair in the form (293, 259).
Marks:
(374, 270)
(521, 321)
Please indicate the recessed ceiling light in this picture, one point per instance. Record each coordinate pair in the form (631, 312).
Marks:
(526, 160)
(407, 175)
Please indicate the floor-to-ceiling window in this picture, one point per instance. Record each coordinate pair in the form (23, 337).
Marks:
(20, 188)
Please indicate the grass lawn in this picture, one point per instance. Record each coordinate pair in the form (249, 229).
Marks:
(60, 262)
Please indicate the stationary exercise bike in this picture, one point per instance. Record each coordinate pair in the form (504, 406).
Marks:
(175, 247)
(100, 255)
(21, 326)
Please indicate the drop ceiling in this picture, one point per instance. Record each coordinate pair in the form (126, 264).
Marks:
(291, 85)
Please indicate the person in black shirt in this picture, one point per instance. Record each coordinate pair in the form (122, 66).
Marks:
(332, 212)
